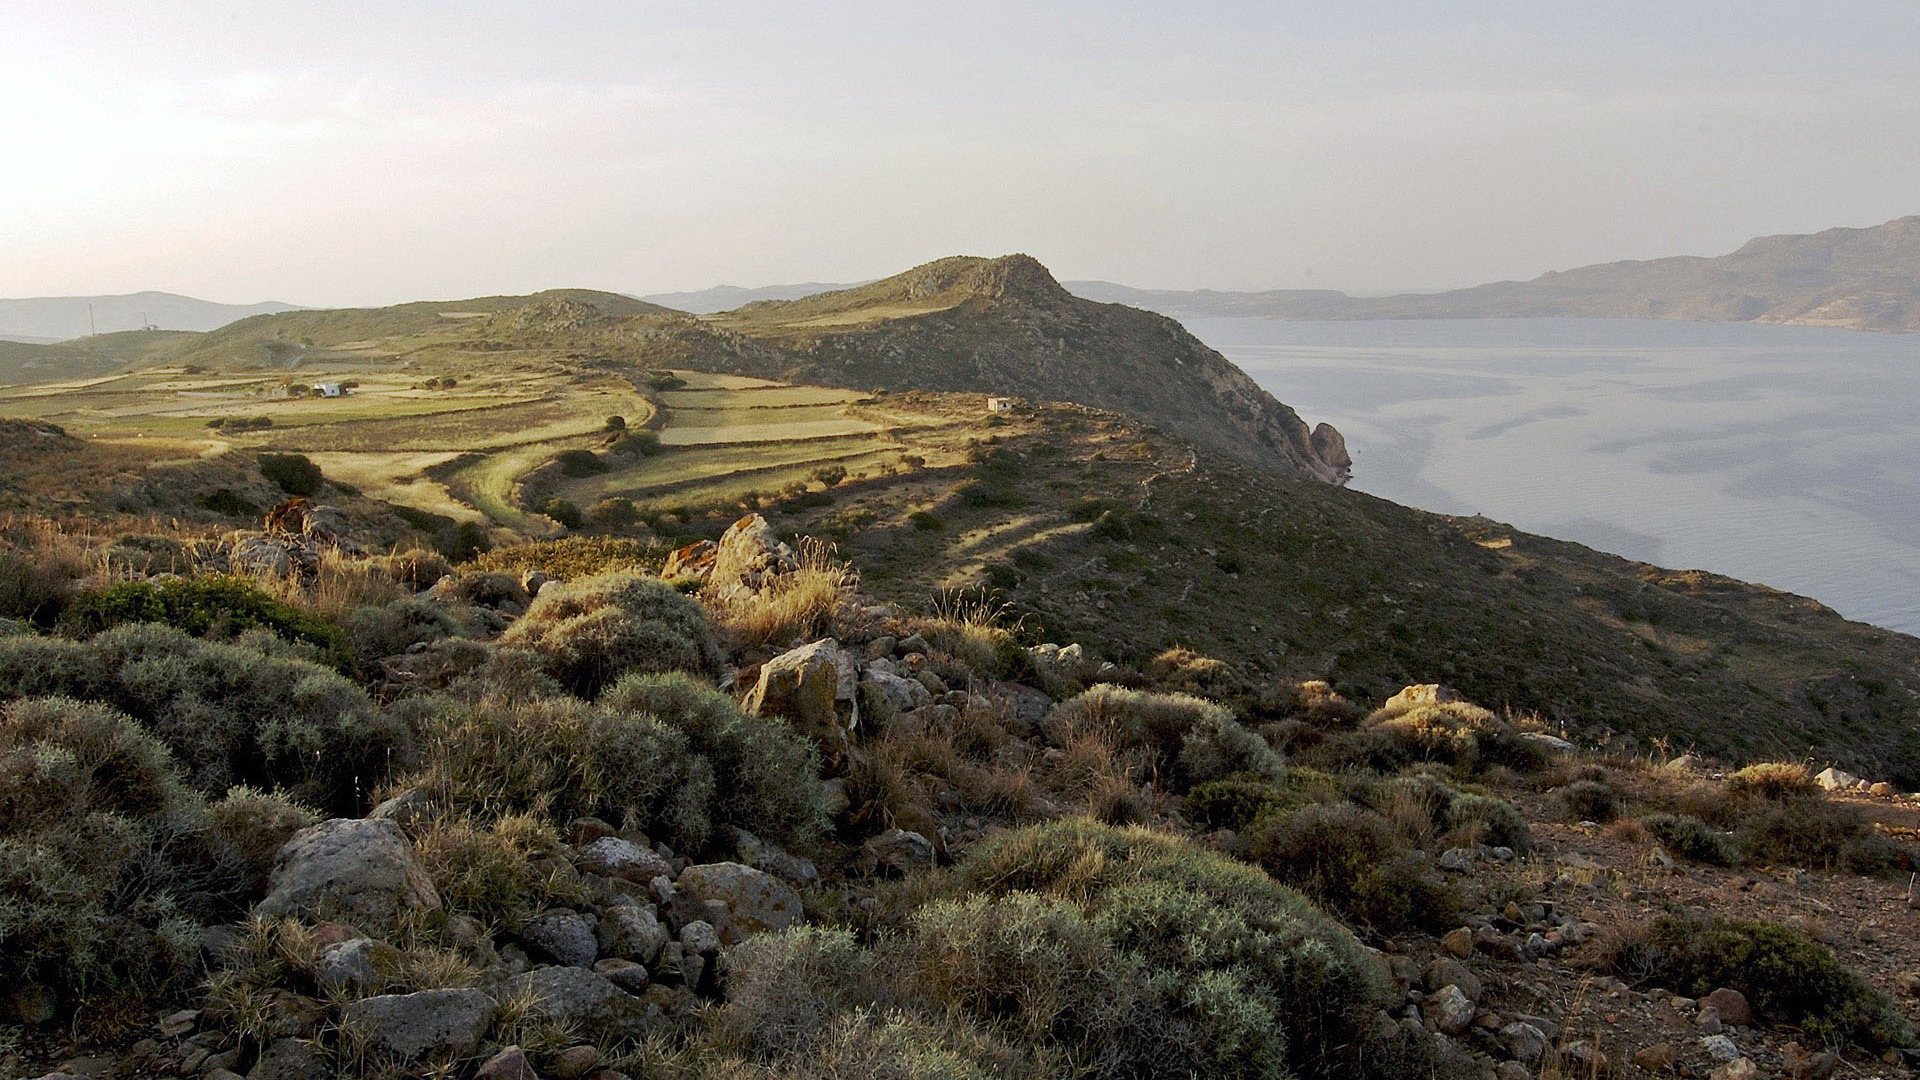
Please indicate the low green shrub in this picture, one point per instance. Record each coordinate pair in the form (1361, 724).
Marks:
(216, 607)
(1690, 838)
(1226, 972)
(392, 628)
(767, 775)
(240, 713)
(1474, 818)
(1813, 832)
(595, 630)
(295, 474)
(1591, 800)
(1786, 976)
(1189, 740)
(1455, 733)
(105, 884)
(1232, 803)
(580, 463)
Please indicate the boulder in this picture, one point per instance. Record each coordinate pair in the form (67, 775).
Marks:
(902, 693)
(1738, 1069)
(1804, 1064)
(1657, 1058)
(1731, 1005)
(1720, 1048)
(1424, 694)
(610, 856)
(290, 1059)
(748, 558)
(359, 964)
(624, 974)
(409, 1026)
(756, 901)
(814, 689)
(574, 1062)
(694, 560)
(1447, 971)
(897, 852)
(403, 809)
(761, 855)
(1836, 779)
(631, 932)
(1524, 1042)
(509, 1064)
(361, 870)
(577, 997)
(566, 936)
(1449, 1009)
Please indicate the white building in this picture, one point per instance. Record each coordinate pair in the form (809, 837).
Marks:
(329, 389)
(999, 404)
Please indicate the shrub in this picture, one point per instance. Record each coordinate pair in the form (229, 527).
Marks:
(803, 604)
(1591, 800)
(1817, 833)
(1455, 733)
(35, 582)
(592, 631)
(391, 629)
(767, 775)
(564, 759)
(1773, 780)
(463, 542)
(564, 512)
(785, 990)
(295, 474)
(1473, 818)
(638, 444)
(103, 886)
(1200, 965)
(221, 607)
(1232, 803)
(575, 556)
(230, 713)
(493, 870)
(1786, 976)
(1189, 740)
(580, 463)
(1326, 848)
(616, 512)
(926, 521)
(615, 423)
(415, 568)
(1690, 838)
(246, 829)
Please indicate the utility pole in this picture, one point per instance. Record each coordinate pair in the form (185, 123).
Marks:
(93, 330)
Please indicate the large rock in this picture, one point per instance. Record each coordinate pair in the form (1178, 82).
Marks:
(1449, 1009)
(901, 693)
(749, 557)
(1836, 779)
(1424, 694)
(576, 997)
(1731, 1005)
(357, 964)
(814, 689)
(897, 852)
(291, 1059)
(566, 936)
(631, 932)
(694, 560)
(1447, 971)
(357, 870)
(407, 1026)
(756, 901)
(610, 856)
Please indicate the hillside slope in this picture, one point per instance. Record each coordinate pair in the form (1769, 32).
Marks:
(1863, 279)
(1005, 326)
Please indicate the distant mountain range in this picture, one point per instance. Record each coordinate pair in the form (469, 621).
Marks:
(1861, 279)
(61, 318)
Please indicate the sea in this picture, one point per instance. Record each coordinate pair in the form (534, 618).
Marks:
(1784, 455)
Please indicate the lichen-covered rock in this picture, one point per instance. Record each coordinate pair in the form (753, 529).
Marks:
(1423, 694)
(566, 936)
(756, 901)
(631, 932)
(291, 1059)
(610, 856)
(577, 997)
(761, 855)
(901, 693)
(749, 557)
(1449, 1009)
(408, 1026)
(897, 852)
(358, 964)
(813, 688)
(358, 870)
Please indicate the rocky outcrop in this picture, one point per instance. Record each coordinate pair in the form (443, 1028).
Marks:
(755, 900)
(813, 688)
(358, 870)
(748, 558)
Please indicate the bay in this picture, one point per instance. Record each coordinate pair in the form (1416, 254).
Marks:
(1784, 455)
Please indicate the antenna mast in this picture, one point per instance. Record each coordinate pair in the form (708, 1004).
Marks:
(92, 329)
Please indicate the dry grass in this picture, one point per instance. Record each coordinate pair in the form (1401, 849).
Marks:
(340, 584)
(813, 601)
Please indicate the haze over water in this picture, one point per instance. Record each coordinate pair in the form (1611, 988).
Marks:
(1784, 455)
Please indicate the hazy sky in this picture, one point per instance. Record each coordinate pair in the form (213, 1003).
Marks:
(357, 153)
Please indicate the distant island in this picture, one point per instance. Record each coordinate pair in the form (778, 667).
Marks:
(1860, 279)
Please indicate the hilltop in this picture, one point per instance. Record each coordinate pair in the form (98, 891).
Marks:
(46, 319)
(1862, 279)
(1005, 326)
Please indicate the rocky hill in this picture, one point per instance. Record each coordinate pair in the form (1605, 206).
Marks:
(1005, 326)
(1862, 279)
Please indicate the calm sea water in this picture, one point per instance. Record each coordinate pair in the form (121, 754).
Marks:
(1783, 455)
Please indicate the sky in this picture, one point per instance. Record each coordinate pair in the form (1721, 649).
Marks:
(369, 153)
